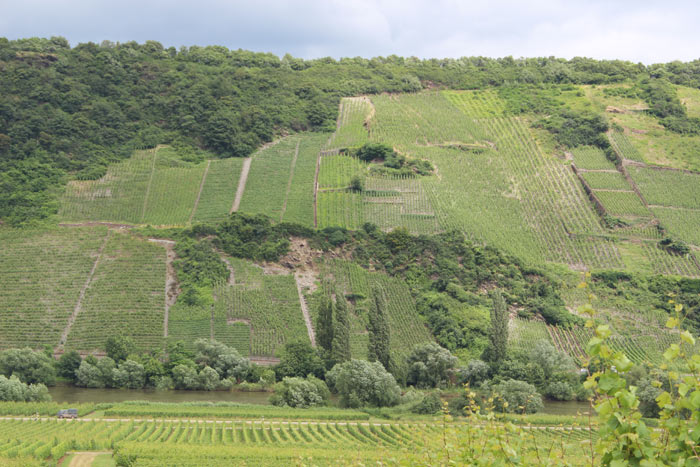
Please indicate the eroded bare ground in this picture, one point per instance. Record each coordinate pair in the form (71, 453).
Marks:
(172, 289)
(85, 459)
(305, 312)
(263, 361)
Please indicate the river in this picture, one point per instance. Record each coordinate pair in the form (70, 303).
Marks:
(73, 395)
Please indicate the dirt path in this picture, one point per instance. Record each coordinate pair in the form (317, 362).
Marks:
(231, 272)
(171, 288)
(264, 361)
(289, 183)
(305, 312)
(199, 194)
(150, 182)
(97, 224)
(81, 296)
(86, 458)
(241, 184)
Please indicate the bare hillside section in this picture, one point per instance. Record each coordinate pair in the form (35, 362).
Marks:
(172, 290)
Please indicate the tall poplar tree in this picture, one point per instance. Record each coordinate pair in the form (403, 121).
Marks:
(340, 351)
(379, 337)
(498, 331)
(324, 324)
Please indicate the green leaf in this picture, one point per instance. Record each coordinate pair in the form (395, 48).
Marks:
(663, 399)
(623, 363)
(687, 337)
(672, 323)
(603, 331)
(610, 383)
(672, 352)
(695, 400)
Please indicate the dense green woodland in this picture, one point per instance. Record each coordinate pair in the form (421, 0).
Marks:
(68, 112)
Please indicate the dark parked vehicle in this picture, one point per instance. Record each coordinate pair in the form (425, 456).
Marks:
(68, 413)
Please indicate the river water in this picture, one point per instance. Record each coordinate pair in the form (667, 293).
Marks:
(74, 395)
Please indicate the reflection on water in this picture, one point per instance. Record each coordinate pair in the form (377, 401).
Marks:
(566, 408)
(70, 394)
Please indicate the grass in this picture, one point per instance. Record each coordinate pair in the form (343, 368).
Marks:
(656, 145)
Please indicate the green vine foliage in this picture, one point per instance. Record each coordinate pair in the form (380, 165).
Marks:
(623, 436)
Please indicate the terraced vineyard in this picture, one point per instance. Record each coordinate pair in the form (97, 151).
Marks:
(405, 325)
(38, 296)
(154, 187)
(115, 302)
(266, 303)
(281, 180)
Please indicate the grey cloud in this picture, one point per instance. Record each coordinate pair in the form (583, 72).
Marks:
(644, 31)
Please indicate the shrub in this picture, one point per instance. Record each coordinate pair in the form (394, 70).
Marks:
(363, 383)
(12, 389)
(430, 404)
(29, 366)
(516, 397)
(559, 391)
(300, 393)
(475, 373)
(430, 366)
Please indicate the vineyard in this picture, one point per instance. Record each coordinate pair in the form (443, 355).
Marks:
(342, 438)
(114, 301)
(281, 180)
(154, 187)
(267, 304)
(405, 325)
(38, 296)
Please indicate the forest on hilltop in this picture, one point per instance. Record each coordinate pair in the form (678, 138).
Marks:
(67, 112)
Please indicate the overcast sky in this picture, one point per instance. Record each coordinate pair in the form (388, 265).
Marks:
(636, 30)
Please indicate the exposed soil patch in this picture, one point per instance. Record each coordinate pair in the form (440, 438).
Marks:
(97, 224)
(238, 320)
(85, 459)
(241, 184)
(172, 289)
(199, 193)
(263, 361)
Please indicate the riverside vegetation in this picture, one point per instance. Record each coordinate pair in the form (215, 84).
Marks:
(404, 280)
